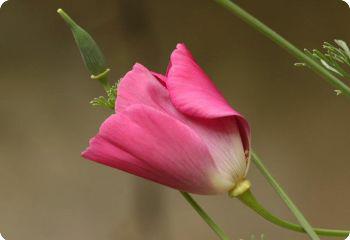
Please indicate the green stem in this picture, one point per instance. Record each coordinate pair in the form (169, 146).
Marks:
(219, 232)
(278, 39)
(248, 199)
(297, 213)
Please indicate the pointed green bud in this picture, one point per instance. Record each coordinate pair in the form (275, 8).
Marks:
(90, 52)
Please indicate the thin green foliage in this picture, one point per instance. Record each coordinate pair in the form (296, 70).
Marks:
(335, 57)
(107, 101)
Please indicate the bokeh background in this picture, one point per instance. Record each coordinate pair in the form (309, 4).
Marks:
(300, 128)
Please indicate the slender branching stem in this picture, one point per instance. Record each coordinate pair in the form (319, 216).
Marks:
(278, 39)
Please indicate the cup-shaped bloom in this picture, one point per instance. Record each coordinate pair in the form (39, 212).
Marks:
(174, 129)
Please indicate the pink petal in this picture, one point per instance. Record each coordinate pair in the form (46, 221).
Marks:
(193, 93)
(160, 77)
(139, 86)
(103, 151)
(151, 144)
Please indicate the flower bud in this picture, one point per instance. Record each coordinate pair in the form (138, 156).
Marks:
(90, 52)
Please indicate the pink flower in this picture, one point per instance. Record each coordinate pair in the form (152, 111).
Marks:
(176, 130)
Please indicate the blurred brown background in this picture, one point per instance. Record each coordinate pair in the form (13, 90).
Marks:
(300, 128)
